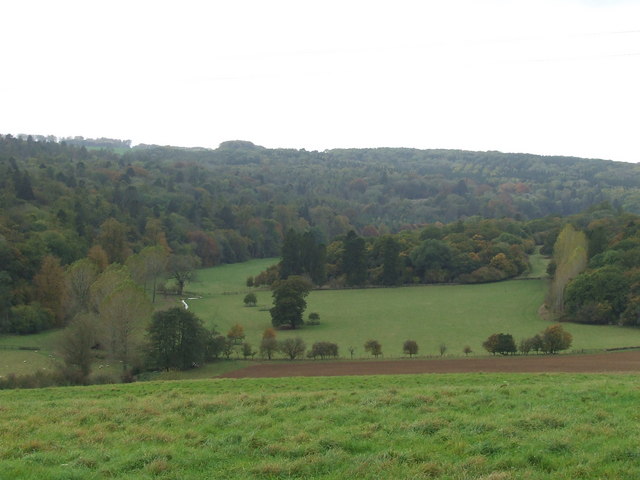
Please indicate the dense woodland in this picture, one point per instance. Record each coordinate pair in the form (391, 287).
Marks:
(79, 209)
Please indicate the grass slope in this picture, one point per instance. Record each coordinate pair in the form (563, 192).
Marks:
(483, 426)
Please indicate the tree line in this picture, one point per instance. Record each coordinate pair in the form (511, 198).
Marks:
(473, 251)
(595, 269)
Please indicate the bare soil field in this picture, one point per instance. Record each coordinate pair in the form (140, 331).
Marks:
(628, 361)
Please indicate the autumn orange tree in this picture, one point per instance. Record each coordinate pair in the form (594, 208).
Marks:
(236, 334)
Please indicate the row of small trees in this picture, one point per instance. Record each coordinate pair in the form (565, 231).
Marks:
(177, 339)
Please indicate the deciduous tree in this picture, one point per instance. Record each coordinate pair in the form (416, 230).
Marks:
(373, 347)
(289, 302)
(269, 344)
(501, 343)
(555, 339)
(76, 342)
(354, 259)
(410, 347)
(292, 347)
(51, 289)
(113, 239)
(182, 270)
(80, 276)
(177, 339)
(250, 300)
(236, 334)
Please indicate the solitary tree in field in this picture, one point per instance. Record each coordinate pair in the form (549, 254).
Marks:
(373, 347)
(410, 348)
(467, 350)
(314, 319)
(250, 300)
(289, 302)
(442, 348)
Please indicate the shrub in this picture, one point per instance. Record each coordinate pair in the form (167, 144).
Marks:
(501, 343)
(323, 349)
(27, 319)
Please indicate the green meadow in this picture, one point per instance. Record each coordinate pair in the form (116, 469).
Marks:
(481, 426)
(455, 316)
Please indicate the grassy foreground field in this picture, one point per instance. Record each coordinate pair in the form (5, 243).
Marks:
(482, 426)
(432, 315)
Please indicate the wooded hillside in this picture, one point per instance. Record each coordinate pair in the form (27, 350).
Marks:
(64, 200)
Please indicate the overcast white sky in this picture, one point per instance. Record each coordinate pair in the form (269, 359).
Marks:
(539, 76)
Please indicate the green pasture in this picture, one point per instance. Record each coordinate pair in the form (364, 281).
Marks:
(27, 361)
(455, 316)
(481, 426)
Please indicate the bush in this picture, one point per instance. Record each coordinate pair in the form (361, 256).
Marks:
(27, 319)
(323, 349)
(501, 343)
(314, 319)
(484, 274)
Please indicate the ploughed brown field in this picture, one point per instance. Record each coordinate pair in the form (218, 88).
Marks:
(628, 361)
